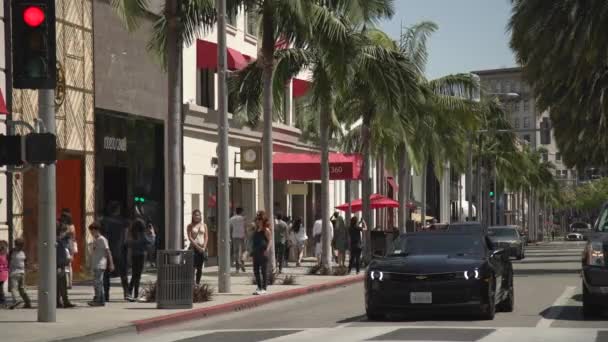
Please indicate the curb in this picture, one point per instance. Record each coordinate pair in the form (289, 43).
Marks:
(239, 305)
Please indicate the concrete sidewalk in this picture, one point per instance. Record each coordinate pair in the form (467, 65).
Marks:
(120, 316)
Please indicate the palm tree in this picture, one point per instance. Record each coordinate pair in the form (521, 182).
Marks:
(177, 25)
(563, 51)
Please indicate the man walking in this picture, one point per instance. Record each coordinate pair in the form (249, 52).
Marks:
(63, 257)
(280, 240)
(237, 234)
(115, 229)
(101, 262)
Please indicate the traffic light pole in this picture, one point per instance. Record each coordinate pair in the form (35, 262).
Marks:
(47, 281)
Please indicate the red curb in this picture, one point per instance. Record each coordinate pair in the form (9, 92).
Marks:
(239, 305)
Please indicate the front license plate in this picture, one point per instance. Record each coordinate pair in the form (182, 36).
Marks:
(421, 297)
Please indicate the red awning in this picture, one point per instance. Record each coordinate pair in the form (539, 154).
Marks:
(377, 201)
(300, 87)
(391, 182)
(206, 56)
(307, 166)
(3, 109)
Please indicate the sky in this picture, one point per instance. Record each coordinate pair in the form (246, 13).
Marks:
(472, 34)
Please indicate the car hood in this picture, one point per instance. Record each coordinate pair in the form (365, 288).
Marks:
(426, 264)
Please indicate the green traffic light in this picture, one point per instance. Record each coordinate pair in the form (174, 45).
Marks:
(491, 193)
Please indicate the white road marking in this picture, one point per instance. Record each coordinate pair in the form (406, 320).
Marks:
(557, 307)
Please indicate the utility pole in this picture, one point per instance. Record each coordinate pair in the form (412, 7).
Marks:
(469, 180)
(223, 193)
(47, 281)
(479, 184)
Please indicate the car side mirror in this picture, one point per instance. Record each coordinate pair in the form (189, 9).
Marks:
(497, 252)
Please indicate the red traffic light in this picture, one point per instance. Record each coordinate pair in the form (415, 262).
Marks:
(33, 16)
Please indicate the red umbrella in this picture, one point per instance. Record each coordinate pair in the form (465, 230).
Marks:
(377, 201)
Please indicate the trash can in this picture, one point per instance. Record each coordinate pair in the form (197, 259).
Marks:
(175, 279)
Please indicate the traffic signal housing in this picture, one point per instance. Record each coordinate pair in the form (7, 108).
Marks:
(40, 148)
(11, 150)
(33, 41)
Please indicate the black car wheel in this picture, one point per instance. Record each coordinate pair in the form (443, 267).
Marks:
(488, 310)
(374, 316)
(590, 309)
(508, 303)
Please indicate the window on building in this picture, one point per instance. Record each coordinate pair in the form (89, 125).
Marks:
(506, 86)
(514, 87)
(516, 123)
(252, 24)
(558, 156)
(545, 156)
(527, 138)
(558, 173)
(496, 86)
(206, 93)
(527, 122)
(231, 19)
(526, 106)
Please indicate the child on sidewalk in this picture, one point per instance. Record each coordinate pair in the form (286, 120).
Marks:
(17, 259)
(101, 260)
(3, 269)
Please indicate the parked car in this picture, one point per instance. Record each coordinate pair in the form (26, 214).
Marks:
(574, 236)
(439, 271)
(595, 267)
(508, 238)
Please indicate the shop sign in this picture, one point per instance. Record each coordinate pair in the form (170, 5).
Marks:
(251, 158)
(115, 144)
(296, 189)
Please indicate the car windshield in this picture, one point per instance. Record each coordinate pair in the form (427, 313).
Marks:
(439, 244)
(580, 225)
(466, 228)
(503, 232)
(602, 221)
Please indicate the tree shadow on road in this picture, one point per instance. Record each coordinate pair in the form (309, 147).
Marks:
(568, 313)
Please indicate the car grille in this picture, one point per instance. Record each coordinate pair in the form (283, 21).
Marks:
(404, 277)
(503, 245)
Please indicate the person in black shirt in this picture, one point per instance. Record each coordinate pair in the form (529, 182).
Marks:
(115, 229)
(355, 243)
(261, 247)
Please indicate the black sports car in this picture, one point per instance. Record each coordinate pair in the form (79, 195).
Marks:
(440, 271)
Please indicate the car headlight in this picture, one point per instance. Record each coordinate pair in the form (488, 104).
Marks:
(471, 274)
(595, 254)
(376, 275)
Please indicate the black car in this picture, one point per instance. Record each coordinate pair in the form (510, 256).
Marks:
(508, 238)
(595, 267)
(440, 271)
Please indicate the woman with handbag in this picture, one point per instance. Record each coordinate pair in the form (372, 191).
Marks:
(198, 236)
(261, 247)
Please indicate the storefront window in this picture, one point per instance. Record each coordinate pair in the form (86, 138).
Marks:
(206, 94)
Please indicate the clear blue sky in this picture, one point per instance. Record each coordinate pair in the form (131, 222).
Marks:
(472, 34)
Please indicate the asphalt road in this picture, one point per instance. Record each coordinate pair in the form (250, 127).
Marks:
(547, 308)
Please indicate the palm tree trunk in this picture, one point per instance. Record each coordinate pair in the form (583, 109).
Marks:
(366, 181)
(174, 229)
(324, 131)
(423, 195)
(404, 186)
(268, 46)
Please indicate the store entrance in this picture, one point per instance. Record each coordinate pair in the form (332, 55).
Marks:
(115, 185)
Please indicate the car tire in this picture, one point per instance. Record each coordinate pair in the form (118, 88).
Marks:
(508, 304)
(374, 316)
(488, 311)
(590, 310)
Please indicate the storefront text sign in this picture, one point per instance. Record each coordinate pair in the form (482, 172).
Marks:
(115, 144)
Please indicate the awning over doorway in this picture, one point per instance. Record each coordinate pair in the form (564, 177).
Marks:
(300, 87)
(3, 109)
(206, 56)
(307, 166)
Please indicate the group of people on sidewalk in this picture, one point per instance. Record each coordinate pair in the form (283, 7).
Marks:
(343, 239)
(12, 270)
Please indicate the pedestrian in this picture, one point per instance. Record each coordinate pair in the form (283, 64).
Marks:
(340, 240)
(290, 240)
(138, 244)
(355, 242)
(280, 240)
(151, 239)
(317, 234)
(17, 261)
(66, 219)
(198, 236)
(101, 263)
(63, 256)
(238, 235)
(3, 269)
(299, 232)
(552, 234)
(261, 248)
(115, 229)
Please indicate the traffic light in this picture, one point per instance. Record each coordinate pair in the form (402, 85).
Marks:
(545, 131)
(33, 41)
(11, 150)
(40, 148)
(491, 194)
(140, 200)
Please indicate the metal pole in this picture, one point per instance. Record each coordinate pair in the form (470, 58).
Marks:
(47, 281)
(224, 228)
(174, 229)
(479, 190)
(469, 183)
(496, 197)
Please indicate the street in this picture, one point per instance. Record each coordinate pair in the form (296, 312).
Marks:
(547, 308)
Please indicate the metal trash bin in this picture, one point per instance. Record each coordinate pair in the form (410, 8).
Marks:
(175, 279)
